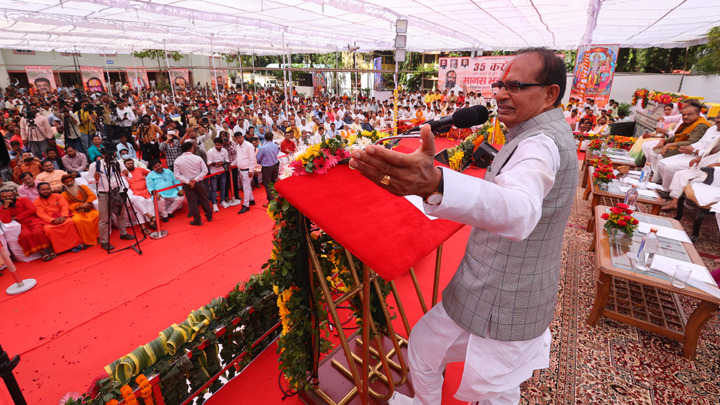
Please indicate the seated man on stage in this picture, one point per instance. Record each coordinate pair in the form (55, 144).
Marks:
(495, 311)
(602, 128)
(170, 200)
(667, 167)
(693, 127)
(84, 215)
(32, 237)
(51, 176)
(709, 158)
(59, 227)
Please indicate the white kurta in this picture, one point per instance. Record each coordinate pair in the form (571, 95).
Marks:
(494, 369)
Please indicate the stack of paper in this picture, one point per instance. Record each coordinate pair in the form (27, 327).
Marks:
(665, 232)
(667, 265)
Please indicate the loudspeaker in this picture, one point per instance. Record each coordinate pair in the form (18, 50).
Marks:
(4, 155)
(484, 155)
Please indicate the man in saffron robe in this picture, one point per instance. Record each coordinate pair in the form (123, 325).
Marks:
(32, 236)
(84, 215)
(59, 227)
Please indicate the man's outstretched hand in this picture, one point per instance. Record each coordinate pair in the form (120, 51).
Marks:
(409, 174)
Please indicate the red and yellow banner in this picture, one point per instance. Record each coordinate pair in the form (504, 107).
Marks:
(138, 78)
(93, 78)
(41, 77)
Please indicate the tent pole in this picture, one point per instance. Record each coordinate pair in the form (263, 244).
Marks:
(284, 74)
(212, 56)
(132, 52)
(172, 82)
(107, 73)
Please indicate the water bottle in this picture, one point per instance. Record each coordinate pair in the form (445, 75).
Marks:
(631, 197)
(645, 175)
(647, 250)
(604, 147)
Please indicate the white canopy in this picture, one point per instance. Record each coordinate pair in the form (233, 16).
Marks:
(318, 26)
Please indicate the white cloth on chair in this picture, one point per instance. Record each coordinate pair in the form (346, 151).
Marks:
(11, 233)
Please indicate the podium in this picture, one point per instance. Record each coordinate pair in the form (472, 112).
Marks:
(389, 235)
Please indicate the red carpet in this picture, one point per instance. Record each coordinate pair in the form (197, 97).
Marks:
(90, 308)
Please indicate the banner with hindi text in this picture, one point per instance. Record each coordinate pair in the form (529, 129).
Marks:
(180, 78)
(93, 78)
(138, 78)
(477, 74)
(42, 78)
(594, 73)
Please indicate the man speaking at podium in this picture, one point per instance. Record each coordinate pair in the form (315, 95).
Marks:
(496, 309)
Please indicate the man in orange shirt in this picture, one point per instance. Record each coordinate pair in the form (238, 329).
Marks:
(27, 163)
(53, 209)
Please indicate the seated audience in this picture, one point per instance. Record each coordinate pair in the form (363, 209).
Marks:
(32, 238)
(84, 215)
(53, 209)
(170, 200)
(51, 176)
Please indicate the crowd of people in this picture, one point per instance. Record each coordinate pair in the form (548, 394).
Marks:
(193, 146)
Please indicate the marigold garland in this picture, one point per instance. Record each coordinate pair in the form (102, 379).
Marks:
(146, 390)
(128, 395)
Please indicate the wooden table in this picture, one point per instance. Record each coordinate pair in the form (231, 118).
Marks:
(613, 195)
(647, 299)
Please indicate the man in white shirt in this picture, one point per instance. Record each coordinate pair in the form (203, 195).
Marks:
(217, 158)
(107, 175)
(126, 117)
(190, 170)
(245, 162)
(355, 126)
(495, 312)
(668, 166)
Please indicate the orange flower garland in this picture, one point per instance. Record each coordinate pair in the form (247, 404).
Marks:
(146, 390)
(112, 402)
(128, 395)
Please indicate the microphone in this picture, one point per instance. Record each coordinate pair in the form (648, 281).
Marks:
(462, 118)
(482, 114)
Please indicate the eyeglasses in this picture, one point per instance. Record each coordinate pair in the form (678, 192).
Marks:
(513, 87)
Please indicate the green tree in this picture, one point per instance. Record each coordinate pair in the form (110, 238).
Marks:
(709, 55)
(158, 55)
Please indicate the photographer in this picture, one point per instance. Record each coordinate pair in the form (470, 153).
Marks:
(35, 131)
(112, 190)
(125, 119)
(106, 113)
(70, 125)
(171, 146)
(148, 135)
(88, 117)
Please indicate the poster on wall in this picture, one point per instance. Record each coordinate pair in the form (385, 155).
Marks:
(477, 74)
(220, 76)
(319, 84)
(180, 78)
(138, 78)
(378, 82)
(594, 73)
(93, 78)
(41, 77)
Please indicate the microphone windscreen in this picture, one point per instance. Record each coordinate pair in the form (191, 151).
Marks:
(482, 114)
(464, 118)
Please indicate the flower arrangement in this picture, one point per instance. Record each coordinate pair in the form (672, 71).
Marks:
(603, 160)
(595, 144)
(603, 174)
(622, 142)
(581, 136)
(620, 219)
(640, 94)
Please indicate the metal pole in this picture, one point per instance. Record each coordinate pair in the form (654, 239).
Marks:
(284, 75)
(212, 56)
(289, 59)
(132, 52)
(253, 72)
(6, 368)
(172, 82)
(158, 234)
(76, 62)
(107, 72)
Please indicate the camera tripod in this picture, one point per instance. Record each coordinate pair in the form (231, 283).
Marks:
(112, 171)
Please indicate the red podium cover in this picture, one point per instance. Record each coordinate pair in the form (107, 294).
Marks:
(386, 232)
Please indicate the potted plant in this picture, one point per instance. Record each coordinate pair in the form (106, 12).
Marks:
(603, 175)
(619, 224)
